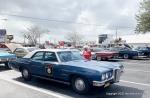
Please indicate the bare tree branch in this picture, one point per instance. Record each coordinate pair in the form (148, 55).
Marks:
(33, 33)
(74, 38)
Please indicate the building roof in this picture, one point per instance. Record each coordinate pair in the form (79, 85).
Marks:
(137, 38)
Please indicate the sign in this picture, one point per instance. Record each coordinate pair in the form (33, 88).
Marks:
(2, 35)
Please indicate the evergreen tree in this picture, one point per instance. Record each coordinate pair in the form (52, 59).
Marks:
(143, 18)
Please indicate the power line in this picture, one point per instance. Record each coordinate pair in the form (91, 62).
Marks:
(44, 19)
(60, 21)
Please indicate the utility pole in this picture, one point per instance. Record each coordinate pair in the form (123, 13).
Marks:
(116, 33)
(39, 38)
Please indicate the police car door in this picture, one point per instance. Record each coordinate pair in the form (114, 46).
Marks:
(37, 63)
(50, 63)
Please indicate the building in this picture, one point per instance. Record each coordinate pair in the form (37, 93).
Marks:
(102, 38)
(2, 35)
(137, 39)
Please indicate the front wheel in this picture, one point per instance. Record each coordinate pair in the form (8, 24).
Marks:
(80, 85)
(26, 74)
(7, 66)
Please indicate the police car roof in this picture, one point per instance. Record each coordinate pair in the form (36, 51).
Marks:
(57, 50)
(49, 50)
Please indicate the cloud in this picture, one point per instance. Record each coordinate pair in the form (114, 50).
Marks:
(107, 14)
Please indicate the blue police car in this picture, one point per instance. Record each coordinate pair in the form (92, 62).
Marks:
(68, 66)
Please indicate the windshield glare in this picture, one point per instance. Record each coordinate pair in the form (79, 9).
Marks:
(67, 56)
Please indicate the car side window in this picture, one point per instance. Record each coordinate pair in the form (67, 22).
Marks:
(38, 56)
(50, 56)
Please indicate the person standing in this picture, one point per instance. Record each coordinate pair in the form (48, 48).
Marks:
(87, 53)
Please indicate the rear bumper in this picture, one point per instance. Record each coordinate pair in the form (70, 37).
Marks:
(1, 62)
(5, 60)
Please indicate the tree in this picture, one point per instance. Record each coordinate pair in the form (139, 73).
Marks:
(33, 34)
(143, 18)
(74, 38)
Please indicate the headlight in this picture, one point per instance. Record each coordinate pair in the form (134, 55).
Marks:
(106, 76)
(103, 77)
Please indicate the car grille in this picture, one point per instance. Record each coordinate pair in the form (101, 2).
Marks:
(117, 74)
(3, 60)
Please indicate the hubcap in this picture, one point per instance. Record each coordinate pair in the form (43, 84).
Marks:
(25, 73)
(126, 56)
(99, 58)
(79, 84)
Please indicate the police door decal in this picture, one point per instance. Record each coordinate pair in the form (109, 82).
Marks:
(49, 69)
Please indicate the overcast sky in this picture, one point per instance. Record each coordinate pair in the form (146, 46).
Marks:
(103, 15)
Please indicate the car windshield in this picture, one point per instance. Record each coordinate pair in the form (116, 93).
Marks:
(67, 56)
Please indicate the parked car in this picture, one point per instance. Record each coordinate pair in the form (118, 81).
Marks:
(68, 66)
(125, 52)
(102, 54)
(143, 51)
(22, 51)
(5, 57)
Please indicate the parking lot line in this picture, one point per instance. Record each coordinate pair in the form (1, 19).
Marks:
(135, 83)
(138, 70)
(137, 63)
(33, 88)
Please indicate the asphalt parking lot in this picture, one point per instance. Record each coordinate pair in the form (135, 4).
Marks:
(135, 83)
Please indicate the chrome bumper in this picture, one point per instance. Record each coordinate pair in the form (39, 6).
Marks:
(7, 59)
(101, 83)
(114, 79)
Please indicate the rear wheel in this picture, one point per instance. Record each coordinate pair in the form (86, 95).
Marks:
(126, 56)
(26, 74)
(98, 58)
(149, 55)
(80, 85)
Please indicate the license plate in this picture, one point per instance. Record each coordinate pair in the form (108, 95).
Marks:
(106, 85)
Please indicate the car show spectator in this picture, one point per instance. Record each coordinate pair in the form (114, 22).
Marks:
(87, 53)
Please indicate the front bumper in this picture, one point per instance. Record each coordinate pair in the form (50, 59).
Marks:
(114, 79)
(101, 83)
(5, 60)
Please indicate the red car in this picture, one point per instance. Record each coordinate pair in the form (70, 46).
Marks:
(102, 54)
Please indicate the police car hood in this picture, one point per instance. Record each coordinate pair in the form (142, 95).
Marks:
(94, 65)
